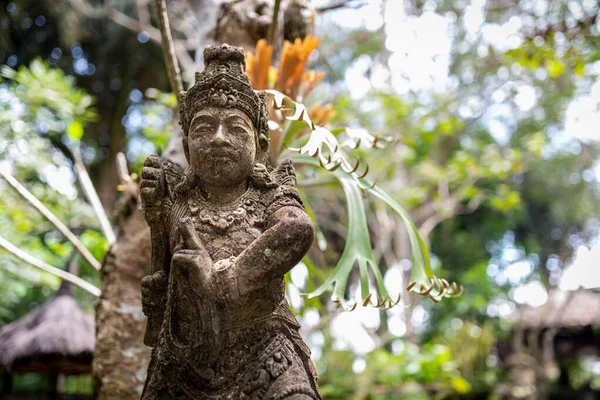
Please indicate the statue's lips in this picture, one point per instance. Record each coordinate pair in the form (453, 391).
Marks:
(221, 154)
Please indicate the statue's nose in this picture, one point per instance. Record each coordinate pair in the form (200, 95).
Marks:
(219, 137)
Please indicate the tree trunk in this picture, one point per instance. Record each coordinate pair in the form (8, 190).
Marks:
(121, 358)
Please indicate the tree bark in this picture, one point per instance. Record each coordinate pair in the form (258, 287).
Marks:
(121, 358)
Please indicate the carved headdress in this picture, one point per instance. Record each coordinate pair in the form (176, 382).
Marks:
(224, 83)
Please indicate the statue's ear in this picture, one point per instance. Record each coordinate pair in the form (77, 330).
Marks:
(186, 149)
(262, 148)
(263, 142)
(263, 118)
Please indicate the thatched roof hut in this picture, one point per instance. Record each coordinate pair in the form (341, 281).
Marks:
(545, 340)
(562, 310)
(54, 337)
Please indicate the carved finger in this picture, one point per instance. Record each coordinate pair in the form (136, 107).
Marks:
(158, 277)
(189, 236)
(148, 193)
(189, 269)
(144, 183)
(146, 281)
(152, 161)
(151, 173)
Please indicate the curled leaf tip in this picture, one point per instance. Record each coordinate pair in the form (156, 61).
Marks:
(444, 289)
(355, 168)
(370, 187)
(336, 166)
(424, 292)
(364, 173)
(395, 303)
(367, 300)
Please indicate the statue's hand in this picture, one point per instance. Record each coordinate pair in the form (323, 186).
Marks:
(152, 188)
(154, 288)
(191, 262)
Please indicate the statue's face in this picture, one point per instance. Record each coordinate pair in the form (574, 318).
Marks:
(222, 146)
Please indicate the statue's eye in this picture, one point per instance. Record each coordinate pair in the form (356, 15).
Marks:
(238, 128)
(202, 128)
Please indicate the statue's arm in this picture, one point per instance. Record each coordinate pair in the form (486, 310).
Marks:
(154, 195)
(289, 235)
(159, 177)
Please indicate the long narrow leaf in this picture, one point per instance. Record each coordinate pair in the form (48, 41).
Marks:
(357, 250)
(322, 149)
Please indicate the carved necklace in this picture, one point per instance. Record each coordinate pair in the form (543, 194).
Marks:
(223, 216)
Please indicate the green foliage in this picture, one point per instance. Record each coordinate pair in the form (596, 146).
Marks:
(41, 105)
(50, 91)
(150, 124)
(426, 373)
(582, 373)
(470, 346)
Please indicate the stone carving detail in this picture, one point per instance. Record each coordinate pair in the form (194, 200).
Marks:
(224, 233)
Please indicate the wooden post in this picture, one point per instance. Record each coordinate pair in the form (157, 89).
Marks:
(52, 385)
(7, 384)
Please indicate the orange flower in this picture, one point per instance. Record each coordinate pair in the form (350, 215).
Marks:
(258, 65)
(320, 114)
(290, 76)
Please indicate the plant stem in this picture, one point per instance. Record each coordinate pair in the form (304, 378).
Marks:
(48, 268)
(52, 218)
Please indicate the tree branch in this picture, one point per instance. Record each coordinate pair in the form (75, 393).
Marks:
(447, 201)
(429, 224)
(136, 26)
(273, 27)
(48, 268)
(142, 11)
(340, 4)
(122, 167)
(169, 49)
(52, 218)
(92, 196)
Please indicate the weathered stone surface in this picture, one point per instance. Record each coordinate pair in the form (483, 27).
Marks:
(224, 233)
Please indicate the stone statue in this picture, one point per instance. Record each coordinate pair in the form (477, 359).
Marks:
(224, 233)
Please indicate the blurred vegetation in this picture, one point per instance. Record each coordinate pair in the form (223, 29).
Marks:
(483, 164)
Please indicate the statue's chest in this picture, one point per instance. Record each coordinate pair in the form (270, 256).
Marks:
(228, 230)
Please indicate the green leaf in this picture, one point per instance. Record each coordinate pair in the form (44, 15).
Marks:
(460, 385)
(579, 68)
(75, 130)
(555, 68)
(357, 250)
